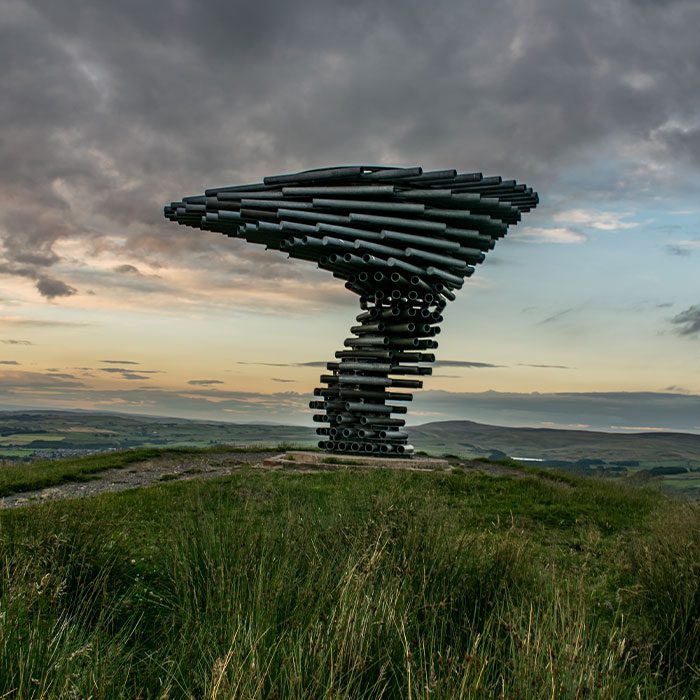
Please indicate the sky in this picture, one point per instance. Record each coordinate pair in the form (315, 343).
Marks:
(586, 314)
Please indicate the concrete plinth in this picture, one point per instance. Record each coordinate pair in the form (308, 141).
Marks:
(295, 459)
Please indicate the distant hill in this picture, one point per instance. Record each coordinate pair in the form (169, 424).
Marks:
(675, 457)
(553, 444)
(64, 433)
(69, 430)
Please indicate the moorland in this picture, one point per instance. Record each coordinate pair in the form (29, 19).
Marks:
(460, 583)
(671, 458)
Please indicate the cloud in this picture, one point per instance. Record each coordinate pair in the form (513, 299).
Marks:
(598, 410)
(682, 249)
(680, 140)
(315, 363)
(15, 341)
(40, 323)
(127, 269)
(522, 364)
(323, 363)
(33, 385)
(9, 362)
(687, 322)
(47, 286)
(204, 382)
(601, 221)
(97, 136)
(556, 316)
(534, 234)
(438, 363)
(464, 363)
(266, 364)
(59, 375)
(128, 373)
(52, 288)
(118, 370)
(678, 389)
(120, 362)
(284, 381)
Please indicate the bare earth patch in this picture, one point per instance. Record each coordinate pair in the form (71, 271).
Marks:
(186, 467)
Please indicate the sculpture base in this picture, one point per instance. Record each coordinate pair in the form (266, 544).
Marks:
(295, 459)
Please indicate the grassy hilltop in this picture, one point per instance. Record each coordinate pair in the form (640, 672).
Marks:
(671, 457)
(354, 584)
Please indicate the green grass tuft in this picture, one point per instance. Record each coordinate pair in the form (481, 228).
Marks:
(16, 478)
(348, 584)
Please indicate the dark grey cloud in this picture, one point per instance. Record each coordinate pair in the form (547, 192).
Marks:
(283, 381)
(523, 364)
(469, 364)
(128, 373)
(119, 370)
(128, 269)
(9, 362)
(204, 382)
(51, 288)
(41, 323)
(59, 375)
(37, 382)
(681, 141)
(119, 362)
(15, 341)
(678, 389)
(556, 316)
(679, 250)
(111, 109)
(31, 389)
(314, 363)
(464, 363)
(322, 364)
(48, 287)
(589, 410)
(683, 249)
(687, 322)
(265, 364)
(597, 411)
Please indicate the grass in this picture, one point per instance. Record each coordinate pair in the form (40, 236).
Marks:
(24, 438)
(16, 478)
(339, 460)
(350, 584)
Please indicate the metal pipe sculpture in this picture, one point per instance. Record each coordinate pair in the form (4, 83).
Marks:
(403, 240)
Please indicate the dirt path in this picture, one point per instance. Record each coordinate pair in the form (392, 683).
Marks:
(183, 467)
(166, 468)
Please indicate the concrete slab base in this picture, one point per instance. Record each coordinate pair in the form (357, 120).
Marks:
(296, 459)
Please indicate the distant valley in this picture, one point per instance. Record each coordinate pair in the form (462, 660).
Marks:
(675, 457)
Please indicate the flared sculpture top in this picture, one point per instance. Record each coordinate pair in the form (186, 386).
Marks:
(402, 239)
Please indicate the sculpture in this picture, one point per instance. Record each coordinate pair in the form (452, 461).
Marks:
(403, 240)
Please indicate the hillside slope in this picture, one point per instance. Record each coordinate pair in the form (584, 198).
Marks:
(555, 444)
(353, 584)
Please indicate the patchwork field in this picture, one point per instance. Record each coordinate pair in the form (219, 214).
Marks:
(672, 459)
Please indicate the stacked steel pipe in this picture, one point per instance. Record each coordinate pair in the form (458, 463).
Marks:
(403, 240)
